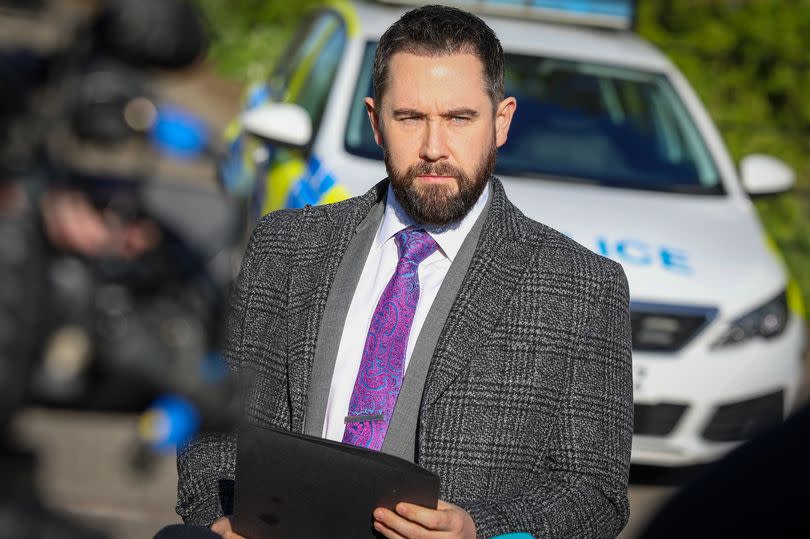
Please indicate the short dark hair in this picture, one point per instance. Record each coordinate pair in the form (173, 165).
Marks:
(439, 31)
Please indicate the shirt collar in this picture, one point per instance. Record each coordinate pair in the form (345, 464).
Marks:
(448, 237)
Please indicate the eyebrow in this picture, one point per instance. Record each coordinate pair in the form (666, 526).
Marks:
(400, 113)
(463, 111)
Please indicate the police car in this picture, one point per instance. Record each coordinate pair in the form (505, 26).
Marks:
(609, 145)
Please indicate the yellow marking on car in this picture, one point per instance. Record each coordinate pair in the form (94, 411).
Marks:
(793, 293)
(280, 179)
(349, 14)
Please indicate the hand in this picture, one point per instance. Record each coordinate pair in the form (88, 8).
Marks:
(72, 223)
(222, 527)
(415, 522)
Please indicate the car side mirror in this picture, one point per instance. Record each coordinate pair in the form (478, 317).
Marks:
(279, 123)
(766, 175)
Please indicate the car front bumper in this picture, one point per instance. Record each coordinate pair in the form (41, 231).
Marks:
(694, 406)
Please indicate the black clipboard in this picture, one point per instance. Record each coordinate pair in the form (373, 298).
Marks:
(296, 486)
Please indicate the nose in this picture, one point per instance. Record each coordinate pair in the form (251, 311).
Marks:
(434, 142)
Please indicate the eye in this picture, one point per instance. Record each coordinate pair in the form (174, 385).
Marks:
(460, 119)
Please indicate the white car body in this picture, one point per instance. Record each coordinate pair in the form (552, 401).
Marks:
(680, 251)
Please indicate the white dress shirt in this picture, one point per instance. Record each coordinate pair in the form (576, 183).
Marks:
(379, 268)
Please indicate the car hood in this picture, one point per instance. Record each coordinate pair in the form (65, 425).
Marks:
(698, 250)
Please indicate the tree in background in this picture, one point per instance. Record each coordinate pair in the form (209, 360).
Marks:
(249, 35)
(749, 61)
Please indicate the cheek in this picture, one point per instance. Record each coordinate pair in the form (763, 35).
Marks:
(402, 148)
(469, 148)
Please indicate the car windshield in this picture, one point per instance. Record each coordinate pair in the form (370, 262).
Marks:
(583, 122)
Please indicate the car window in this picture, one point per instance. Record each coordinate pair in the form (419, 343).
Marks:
(308, 68)
(583, 122)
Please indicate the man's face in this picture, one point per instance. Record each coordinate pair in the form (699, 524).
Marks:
(439, 132)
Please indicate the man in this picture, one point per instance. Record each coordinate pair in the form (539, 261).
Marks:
(502, 346)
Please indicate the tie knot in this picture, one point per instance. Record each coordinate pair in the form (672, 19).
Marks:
(415, 244)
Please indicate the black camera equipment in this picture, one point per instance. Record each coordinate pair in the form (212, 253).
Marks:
(105, 330)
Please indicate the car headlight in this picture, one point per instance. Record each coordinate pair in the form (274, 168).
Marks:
(767, 321)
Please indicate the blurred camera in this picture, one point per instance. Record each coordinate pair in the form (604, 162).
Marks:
(114, 273)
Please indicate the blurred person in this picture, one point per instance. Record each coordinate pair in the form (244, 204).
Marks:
(38, 222)
(751, 492)
(22, 272)
(502, 347)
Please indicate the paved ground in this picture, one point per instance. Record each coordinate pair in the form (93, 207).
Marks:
(85, 470)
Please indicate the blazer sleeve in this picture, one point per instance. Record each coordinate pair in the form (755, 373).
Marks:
(207, 464)
(579, 489)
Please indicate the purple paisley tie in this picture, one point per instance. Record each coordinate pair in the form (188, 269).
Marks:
(381, 368)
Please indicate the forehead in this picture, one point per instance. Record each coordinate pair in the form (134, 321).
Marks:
(417, 78)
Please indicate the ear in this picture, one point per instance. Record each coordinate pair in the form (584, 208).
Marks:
(374, 119)
(503, 119)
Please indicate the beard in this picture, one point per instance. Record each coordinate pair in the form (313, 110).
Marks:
(437, 204)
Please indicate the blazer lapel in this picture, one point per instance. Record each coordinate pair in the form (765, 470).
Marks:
(333, 320)
(497, 267)
(324, 237)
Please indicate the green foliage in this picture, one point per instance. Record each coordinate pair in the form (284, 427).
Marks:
(249, 35)
(749, 62)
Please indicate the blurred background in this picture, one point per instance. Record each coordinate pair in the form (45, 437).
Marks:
(747, 60)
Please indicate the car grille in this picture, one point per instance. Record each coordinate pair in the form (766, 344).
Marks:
(667, 328)
(656, 419)
(743, 420)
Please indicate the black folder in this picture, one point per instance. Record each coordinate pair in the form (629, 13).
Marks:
(296, 486)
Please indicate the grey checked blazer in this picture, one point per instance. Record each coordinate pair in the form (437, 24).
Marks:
(527, 411)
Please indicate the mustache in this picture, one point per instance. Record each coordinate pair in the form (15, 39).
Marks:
(425, 168)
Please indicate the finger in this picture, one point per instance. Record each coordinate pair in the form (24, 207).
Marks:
(386, 531)
(86, 234)
(140, 237)
(431, 519)
(53, 214)
(399, 524)
(221, 526)
(83, 228)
